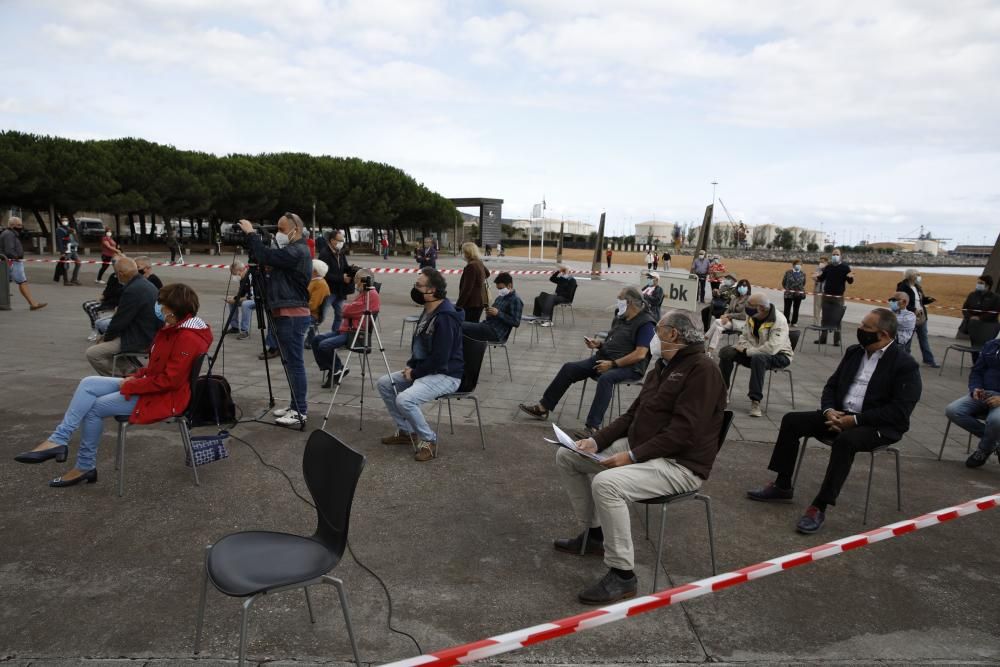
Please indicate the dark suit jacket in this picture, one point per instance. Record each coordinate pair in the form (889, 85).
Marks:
(135, 321)
(893, 390)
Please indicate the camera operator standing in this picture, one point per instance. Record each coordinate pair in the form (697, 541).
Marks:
(338, 277)
(287, 296)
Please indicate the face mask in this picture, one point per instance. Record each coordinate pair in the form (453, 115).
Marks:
(654, 347)
(701, 257)
(742, 289)
(980, 287)
(417, 296)
(503, 291)
(727, 282)
(338, 245)
(64, 223)
(649, 282)
(620, 306)
(236, 279)
(158, 310)
(108, 234)
(918, 280)
(797, 267)
(894, 306)
(867, 338)
(281, 238)
(751, 312)
(142, 272)
(835, 259)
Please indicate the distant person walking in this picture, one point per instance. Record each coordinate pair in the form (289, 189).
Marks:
(910, 286)
(666, 259)
(656, 262)
(108, 250)
(174, 244)
(427, 255)
(12, 248)
(836, 276)
(794, 284)
(68, 246)
(384, 244)
(649, 260)
(699, 268)
(608, 255)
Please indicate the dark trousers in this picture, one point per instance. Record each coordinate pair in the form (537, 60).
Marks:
(838, 300)
(105, 263)
(175, 251)
(574, 371)
(473, 314)
(479, 331)
(792, 304)
(757, 363)
(609, 262)
(701, 289)
(545, 303)
(797, 425)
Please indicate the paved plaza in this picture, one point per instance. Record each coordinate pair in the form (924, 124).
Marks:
(464, 542)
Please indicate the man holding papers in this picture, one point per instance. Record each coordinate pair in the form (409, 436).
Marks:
(665, 444)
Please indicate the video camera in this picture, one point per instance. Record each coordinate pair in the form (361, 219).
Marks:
(367, 283)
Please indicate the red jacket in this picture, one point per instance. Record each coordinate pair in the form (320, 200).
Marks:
(108, 246)
(164, 386)
(353, 311)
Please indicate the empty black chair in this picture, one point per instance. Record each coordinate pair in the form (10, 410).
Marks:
(184, 424)
(473, 352)
(250, 564)
(980, 333)
(830, 322)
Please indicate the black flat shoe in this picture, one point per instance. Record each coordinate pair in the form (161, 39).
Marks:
(58, 453)
(89, 477)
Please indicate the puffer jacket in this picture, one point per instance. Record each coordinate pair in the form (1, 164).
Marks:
(769, 336)
(986, 371)
(164, 386)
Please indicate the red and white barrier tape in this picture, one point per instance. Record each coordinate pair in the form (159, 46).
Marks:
(512, 641)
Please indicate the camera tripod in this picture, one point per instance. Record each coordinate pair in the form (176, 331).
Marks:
(366, 326)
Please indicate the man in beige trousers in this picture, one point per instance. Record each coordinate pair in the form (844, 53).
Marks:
(665, 444)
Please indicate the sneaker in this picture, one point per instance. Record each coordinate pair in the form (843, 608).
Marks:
(99, 282)
(341, 374)
(545, 323)
(281, 412)
(770, 493)
(232, 330)
(92, 337)
(978, 458)
(398, 438)
(270, 354)
(75, 282)
(571, 545)
(243, 335)
(426, 450)
(291, 418)
(755, 409)
(536, 411)
(811, 521)
(611, 588)
(932, 364)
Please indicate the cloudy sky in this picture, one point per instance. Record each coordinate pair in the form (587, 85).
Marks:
(869, 119)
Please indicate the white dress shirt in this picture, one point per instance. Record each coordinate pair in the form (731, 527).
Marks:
(855, 398)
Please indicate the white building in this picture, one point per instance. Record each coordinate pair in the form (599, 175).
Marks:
(551, 226)
(663, 232)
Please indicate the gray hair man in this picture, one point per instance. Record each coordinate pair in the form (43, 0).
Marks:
(12, 248)
(133, 326)
(906, 319)
(763, 346)
(911, 286)
(664, 445)
(621, 357)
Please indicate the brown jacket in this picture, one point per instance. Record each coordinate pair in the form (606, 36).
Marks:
(677, 415)
(470, 287)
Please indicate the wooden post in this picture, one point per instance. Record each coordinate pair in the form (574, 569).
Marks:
(595, 266)
(993, 265)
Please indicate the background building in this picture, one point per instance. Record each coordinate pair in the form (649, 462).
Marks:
(551, 226)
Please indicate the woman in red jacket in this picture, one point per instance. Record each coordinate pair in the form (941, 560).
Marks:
(160, 390)
(108, 251)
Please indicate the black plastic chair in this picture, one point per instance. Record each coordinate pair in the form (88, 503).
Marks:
(183, 424)
(473, 352)
(409, 319)
(793, 339)
(980, 333)
(944, 440)
(250, 564)
(828, 441)
(830, 322)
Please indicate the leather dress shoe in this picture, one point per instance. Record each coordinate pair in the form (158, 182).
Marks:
(58, 453)
(571, 545)
(89, 477)
(771, 493)
(611, 588)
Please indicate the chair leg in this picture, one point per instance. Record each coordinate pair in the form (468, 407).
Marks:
(118, 447)
(489, 352)
(479, 419)
(342, 594)
(438, 427)
(201, 605)
(186, 439)
(767, 399)
(647, 521)
(309, 604)
(961, 361)
(583, 544)
(798, 461)
(968, 447)
(791, 388)
(659, 545)
(244, 615)
(945, 439)
(899, 481)
(711, 529)
(553, 334)
(122, 437)
(572, 315)
(868, 493)
(509, 370)
(451, 422)
(732, 381)
(583, 391)
(944, 360)
(401, 332)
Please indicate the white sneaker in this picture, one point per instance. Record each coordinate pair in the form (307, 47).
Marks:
(92, 337)
(291, 418)
(99, 282)
(755, 409)
(281, 412)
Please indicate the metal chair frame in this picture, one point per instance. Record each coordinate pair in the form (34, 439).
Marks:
(793, 337)
(535, 323)
(489, 350)
(125, 355)
(827, 329)
(988, 329)
(409, 319)
(562, 307)
(944, 440)
(458, 396)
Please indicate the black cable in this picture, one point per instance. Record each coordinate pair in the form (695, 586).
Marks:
(291, 484)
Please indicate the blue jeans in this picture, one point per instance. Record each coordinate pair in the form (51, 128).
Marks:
(246, 312)
(405, 407)
(925, 347)
(95, 398)
(291, 339)
(102, 324)
(970, 414)
(574, 371)
(337, 303)
(325, 346)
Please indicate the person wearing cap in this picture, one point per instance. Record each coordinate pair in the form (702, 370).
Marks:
(652, 294)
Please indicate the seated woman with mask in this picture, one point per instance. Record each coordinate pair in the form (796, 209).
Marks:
(158, 391)
(733, 319)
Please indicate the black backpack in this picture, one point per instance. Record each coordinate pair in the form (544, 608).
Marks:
(211, 402)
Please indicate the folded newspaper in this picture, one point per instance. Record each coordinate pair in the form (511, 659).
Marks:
(563, 440)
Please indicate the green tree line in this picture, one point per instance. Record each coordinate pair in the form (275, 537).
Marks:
(135, 180)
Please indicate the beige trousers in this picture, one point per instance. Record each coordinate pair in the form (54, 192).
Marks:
(101, 357)
(600, 495)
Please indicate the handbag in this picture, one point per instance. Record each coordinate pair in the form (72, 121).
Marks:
(207, 448)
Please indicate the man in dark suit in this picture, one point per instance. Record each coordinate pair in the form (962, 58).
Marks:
(866, 404)
(134, 324)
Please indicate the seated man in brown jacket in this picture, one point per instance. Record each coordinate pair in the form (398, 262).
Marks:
(665, 444)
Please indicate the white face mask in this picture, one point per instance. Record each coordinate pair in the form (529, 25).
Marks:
(503, 291)
(108, 234)
(797, 267)
(338, 245)
(835, 259)
(281, 238)
(918, 279)
(654, 347)
(620, 306)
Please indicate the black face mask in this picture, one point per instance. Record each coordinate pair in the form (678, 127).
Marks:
(867, 338)
(417, 296)
(752, 312)
(142, 272)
